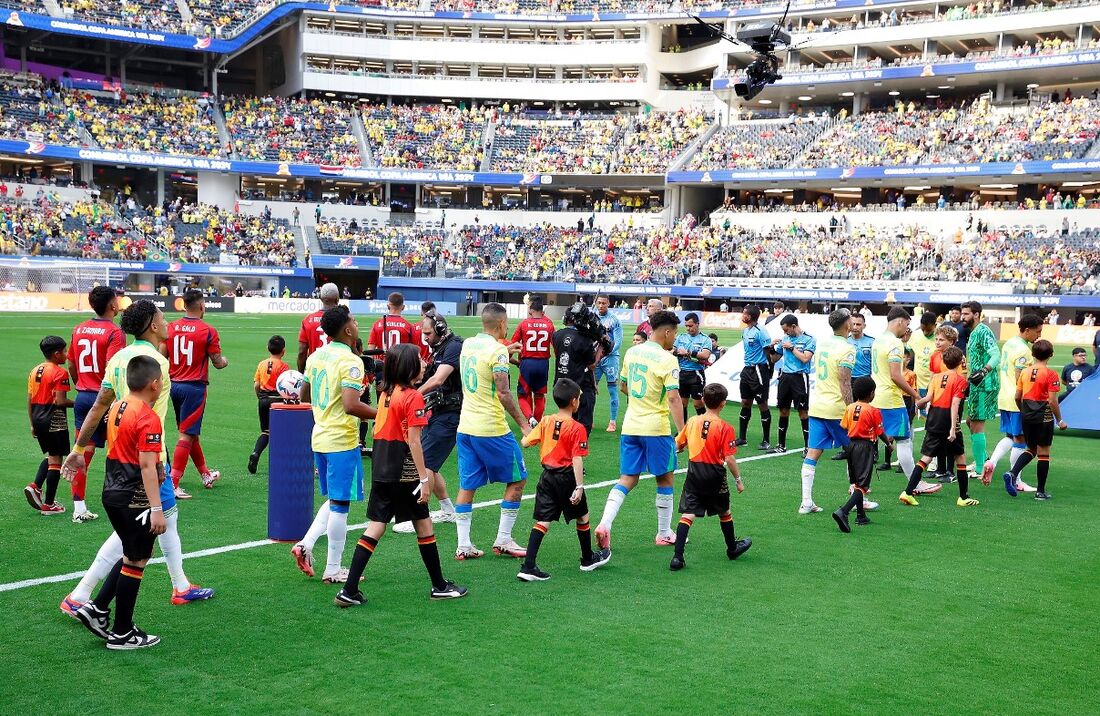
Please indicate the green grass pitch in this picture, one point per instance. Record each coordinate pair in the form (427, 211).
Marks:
(929, 610)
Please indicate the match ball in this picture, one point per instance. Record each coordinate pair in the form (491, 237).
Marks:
(289, 385)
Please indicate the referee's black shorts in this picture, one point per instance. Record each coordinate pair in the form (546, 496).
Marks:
(756, 382)
(692, 383)
(794, 391)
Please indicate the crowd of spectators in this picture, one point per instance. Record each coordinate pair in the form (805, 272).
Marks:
(1038, 260)
(28, 111)
(426, 137)
(403, 249)
(654, 140)
(581, 144)
(286, 129)
(756, 145)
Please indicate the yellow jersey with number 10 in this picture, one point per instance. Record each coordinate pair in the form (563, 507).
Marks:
(826, 401)
(329, 370)
(482, 358)
(650, 373)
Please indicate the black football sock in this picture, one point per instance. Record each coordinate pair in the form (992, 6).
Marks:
(766, 424)
(429, 552)
(40, 476)
(363, 432)
(805, 431)
(784, 423)
(1021, 462)
(860, 497)
(685, 411)
(261, 444)
(584, 536)
(726, 524)
(700, 409)
(533, 544)
(53, 476)
(914, 477)
(886, 459)
(963, 478)
(743, 423)
(1041, 471)
(854, 500)
(109, 587)
(129, 582)
(682, 536)
(941, 464)
(364, 548)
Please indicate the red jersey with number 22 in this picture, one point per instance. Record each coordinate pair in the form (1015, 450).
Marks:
(93, 344)
(534, 335)
(191, 342)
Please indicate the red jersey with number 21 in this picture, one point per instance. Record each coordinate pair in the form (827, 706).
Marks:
(93, 344)
(534, 335)
(191, 342)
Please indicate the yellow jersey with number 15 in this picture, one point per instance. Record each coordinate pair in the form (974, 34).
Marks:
(482, 358)
(827, 401)
(650, 374)
(887, 350)
(329, 370)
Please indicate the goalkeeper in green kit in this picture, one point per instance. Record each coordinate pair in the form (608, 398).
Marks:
(983, 357)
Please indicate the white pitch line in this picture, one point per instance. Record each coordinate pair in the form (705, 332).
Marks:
(24, 584)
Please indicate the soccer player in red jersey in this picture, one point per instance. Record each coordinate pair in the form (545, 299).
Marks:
(311, 337)
(131, 498)
(47, 399)
(652, 306)
(391, 329)
(264, 382)
(533, 335)
(94, 342)
(1037, 395)
(418, 332)
(193, 345)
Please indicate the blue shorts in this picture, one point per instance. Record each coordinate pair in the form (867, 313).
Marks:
(189, 403)
(482, 460)
(167, 494)
(437, 439)
(1012, 424)
(826, 434)
(609, 368)
(534, 374)
(85, 399)
(655, 454)
(895, 422)
(340, 474)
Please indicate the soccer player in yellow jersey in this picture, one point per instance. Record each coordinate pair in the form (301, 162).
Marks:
(144, 321)
(923, 345)
(891, 387)
(650, 378)
(1015, 357)
(334, 386)
(833, 363)
(487, 449)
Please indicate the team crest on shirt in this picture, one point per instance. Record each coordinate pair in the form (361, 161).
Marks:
(153, 439)
(421, 412)
(355, 372)
(584, 445)
(676, 374)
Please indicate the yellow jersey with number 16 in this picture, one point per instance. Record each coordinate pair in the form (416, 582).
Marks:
(329, 370)
(482, 358)
(827, 401)
(650, 374)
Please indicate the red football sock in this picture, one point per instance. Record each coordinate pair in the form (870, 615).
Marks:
(540, 406)
(526, 405)
(80, 481)
(179, 460)
(197, 457)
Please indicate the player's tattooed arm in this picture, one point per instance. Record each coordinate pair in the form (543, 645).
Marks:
(508, 401)
(219, 361)
(844, 377)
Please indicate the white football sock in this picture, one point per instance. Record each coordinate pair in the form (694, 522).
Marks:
(508, 513)
(172, 550)
(664, 511)
(462, 523)
(109, 553)
(318, 528)
(1003, 448)
(337, 536)
(904, 449)
(611, 508)
(1014, 455)
(446, 505)
(808, 472)
(79, 507)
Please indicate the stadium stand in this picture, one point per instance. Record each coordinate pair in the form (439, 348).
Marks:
(426, 137)
(299, 130)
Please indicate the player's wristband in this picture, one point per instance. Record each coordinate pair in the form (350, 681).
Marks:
(158, 508)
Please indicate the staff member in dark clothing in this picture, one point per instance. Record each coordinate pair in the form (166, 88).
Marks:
(576, 348)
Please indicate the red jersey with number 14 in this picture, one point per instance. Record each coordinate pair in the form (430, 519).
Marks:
(533, 335)
(191, 342)
(311, 333)
(93, 344)
(388, 331)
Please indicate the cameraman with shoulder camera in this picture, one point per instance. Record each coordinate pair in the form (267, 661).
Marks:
(579, 346)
